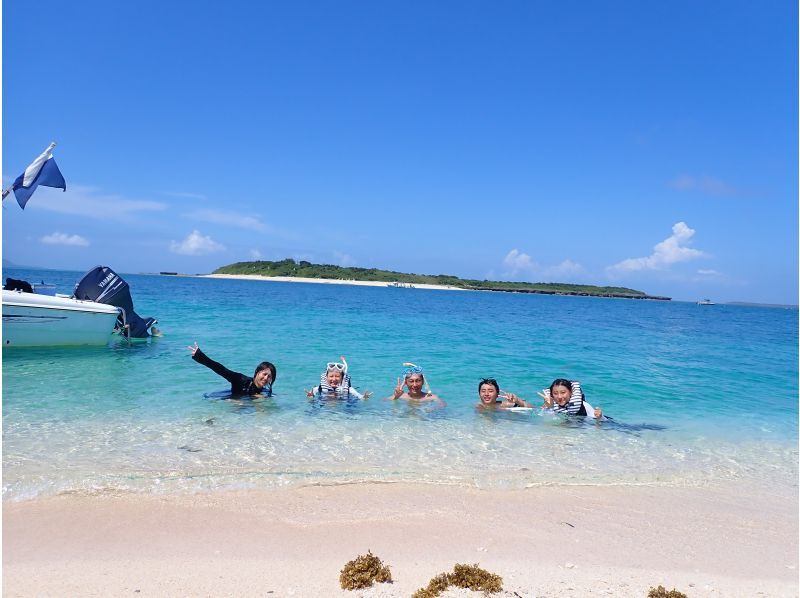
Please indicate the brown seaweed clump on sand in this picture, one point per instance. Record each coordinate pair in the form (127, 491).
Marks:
(470, 577)
(661, 592)
(363, 571)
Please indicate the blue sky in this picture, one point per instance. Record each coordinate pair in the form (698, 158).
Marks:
(649, 145)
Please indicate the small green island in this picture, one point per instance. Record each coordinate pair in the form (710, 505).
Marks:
(303, 269)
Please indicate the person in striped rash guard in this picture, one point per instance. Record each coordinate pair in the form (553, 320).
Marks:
(334, 383)
(565, 396)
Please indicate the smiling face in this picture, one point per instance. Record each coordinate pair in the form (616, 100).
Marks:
(263, 378)
(561, 395)
(333, 377)
(414, 383)
(488, 394)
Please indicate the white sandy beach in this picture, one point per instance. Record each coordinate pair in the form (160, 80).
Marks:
(547, 541)
(363, 283)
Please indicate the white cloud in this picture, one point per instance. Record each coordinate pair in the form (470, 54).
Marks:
(704, 184)
(519, 264)
(565, 268)
(229, 219)
(195, 244)
(303, 257)
(516, 261)
(65, 239)
(255, 254)
(90, 202)
(669, 251)
(344, 260)
(708, 273)
(184, 195)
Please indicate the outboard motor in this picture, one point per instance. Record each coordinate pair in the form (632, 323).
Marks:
(103, 285)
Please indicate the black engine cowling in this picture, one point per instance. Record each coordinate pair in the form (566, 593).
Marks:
(103, 285)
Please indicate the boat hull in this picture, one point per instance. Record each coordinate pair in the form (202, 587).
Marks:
(31, 320)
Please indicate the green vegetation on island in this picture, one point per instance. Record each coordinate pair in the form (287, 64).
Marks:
(303, 269)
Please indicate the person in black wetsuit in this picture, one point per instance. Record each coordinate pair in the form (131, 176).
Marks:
(260, 383)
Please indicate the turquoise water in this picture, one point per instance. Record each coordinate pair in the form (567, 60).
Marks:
(699, 395)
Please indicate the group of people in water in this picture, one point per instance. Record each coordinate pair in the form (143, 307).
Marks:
(563, 396)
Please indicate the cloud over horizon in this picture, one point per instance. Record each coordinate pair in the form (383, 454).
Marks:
(671, 250)
(184, 195)
(64, 239)
(565, 268)
(343, 259)
(195, 244)
(89, 201)
(518, 263)
(229, 219)
(704, 184)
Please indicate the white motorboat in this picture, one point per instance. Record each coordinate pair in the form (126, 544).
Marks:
(100, 305)
(31, 320)
(706, 302)
(33, 315)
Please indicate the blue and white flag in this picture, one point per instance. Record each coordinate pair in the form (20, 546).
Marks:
(42, 171)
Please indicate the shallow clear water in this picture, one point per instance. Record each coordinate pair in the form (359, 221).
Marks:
(698, 394)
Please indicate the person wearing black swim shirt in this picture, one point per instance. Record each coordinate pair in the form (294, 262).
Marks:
(260, 383)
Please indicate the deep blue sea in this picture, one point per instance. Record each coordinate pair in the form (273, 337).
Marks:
(699, 395)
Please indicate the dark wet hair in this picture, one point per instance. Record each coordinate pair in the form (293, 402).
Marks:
(266, 365)
(490, 382)
(561, 382)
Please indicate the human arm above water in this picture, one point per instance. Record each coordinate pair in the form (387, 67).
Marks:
(512, 400)
(398, 391)
(235, 378)
(576, 405)
(354, 393)
(548, 400)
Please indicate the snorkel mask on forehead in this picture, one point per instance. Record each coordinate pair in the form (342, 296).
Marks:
(339, 367)
(410, 369)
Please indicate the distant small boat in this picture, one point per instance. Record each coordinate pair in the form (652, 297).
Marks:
(400, 285)
(705, 302)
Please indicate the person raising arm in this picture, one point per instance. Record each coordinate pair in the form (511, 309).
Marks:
(260, 383)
